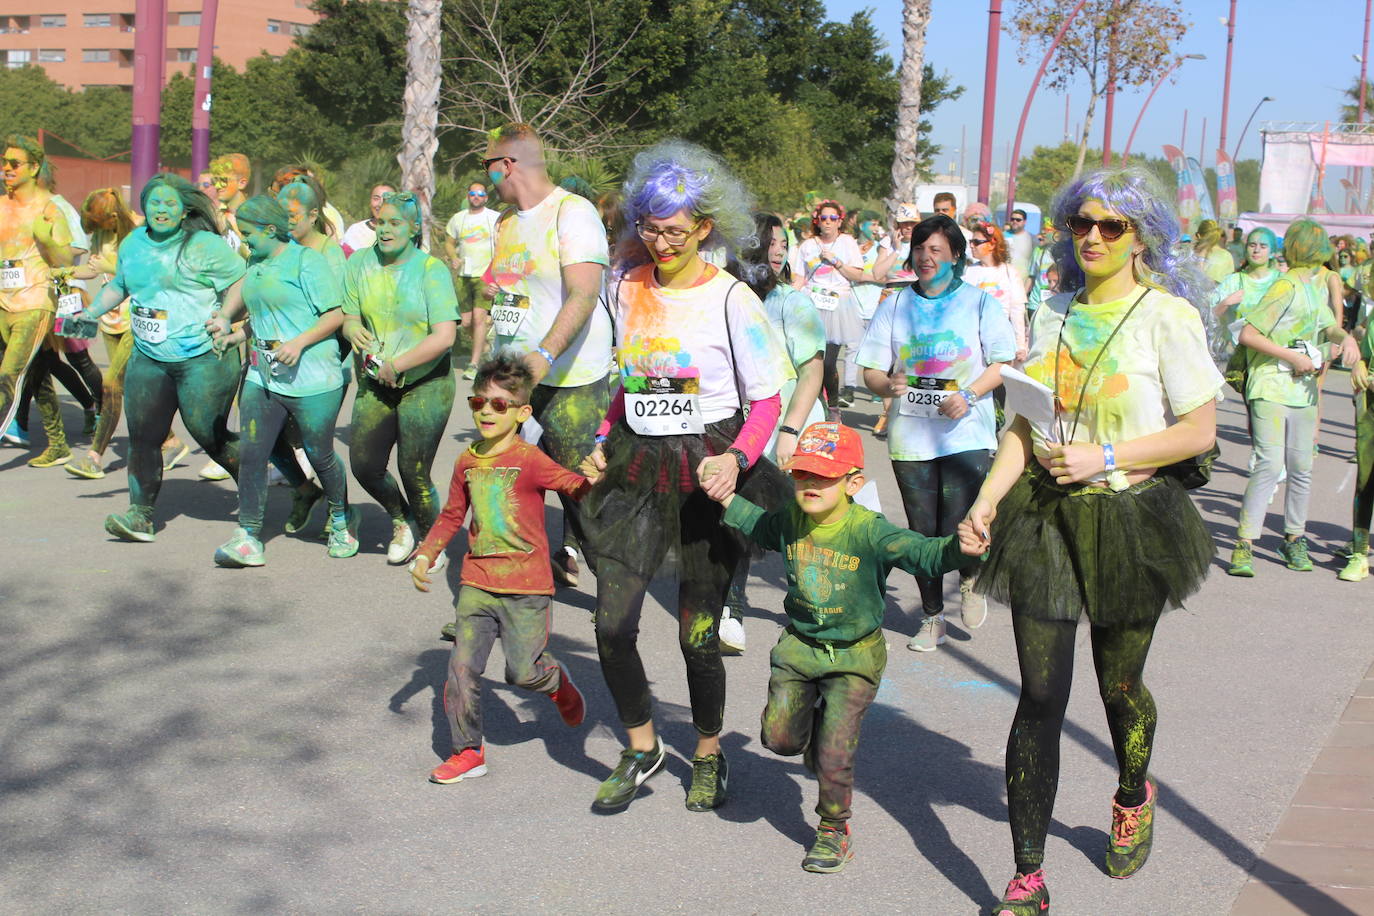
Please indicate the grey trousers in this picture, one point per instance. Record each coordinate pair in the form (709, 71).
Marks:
(1283, 438)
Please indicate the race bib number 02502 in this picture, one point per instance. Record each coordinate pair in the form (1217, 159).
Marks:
(924, 395)
(149, 325)
(665, 407)
(508, 312)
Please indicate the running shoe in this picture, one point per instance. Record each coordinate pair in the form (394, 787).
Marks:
(51, 457)
(973, 608)
(15, 435)
(402, 543)
(240, 550)
(930, 636)
(629, 774)
(343, 538)
(569, 700)
(565, 569)
(731, 633)
(212, 471)
(830, 851)
(86, 467)
(303, 500)
(449, 631)
(880, 428)
(1242, 560)
(134, 525)
(470, 372)
(710, 777)
(1356, 568)
(470, 763)
(1026, 896)
(1295, 555)
(1133, 832)
(846, 398)
(88, 427)
(173, 452)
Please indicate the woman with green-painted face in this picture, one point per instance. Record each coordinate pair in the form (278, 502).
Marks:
(303, 198)
(401, 315)
(295, 371)
(1243, 289)
(175, 269)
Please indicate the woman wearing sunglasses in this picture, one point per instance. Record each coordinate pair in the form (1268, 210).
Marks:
(295, 371)
(833, 264)
(993, 273)
(400, 315)
(695, 349)
(937, 349)
(1080, 516)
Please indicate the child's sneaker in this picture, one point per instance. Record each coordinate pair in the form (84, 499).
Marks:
(1295, 555)
(469, 764)
(710, 776)
(1026, 896)
(569, 700)
(1133, 832)
(831, 851)
(629, 774)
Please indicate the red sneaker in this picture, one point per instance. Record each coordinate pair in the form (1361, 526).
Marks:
(569, 700)
(469, 764)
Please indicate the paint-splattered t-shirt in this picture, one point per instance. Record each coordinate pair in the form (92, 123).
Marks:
(285, 296)
(400, 303)
(866, 295)
(716, 332)
(26, 284)
(1292, 309)
(1008, 287)
(174, 289)
(1252, 291)
(532, 247)
(836, 573)
(797, 325)
(955, 337)
(334, 258)
(508, 547)
(1156, 369)
(473, 234)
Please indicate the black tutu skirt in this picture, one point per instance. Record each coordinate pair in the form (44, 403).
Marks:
(649, 501)
(1123, 557)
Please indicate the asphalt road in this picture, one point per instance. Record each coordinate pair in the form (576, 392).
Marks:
(178, 738)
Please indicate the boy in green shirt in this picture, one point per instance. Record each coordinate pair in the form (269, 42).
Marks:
(838, 555)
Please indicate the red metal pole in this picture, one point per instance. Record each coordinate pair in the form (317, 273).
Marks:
(1111, 87)
(989, 100)
(150, 52)
(200, 111)
(1159, 82)
(1030, 97)
(1226, 82)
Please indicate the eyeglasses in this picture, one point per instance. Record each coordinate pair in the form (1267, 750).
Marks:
(673, 235)
(486, 163)
(16, 163)
(1110, 229)
(828, 218)
(500, 405)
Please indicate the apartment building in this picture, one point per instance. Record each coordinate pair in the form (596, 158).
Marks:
(83, 43)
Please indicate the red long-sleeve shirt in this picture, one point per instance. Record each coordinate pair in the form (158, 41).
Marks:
(508, 547)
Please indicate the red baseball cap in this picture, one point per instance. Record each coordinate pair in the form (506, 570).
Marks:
(827, 450)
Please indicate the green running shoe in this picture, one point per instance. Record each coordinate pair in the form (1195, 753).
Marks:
(134, 525)
(86, 467)
(1242, 560)
(1295, 554)
(343, 539)
(629, 774)
(1133, 831)
(51, 457)
(831, 851)
(710, 775)
(240, 550)
(1356, 569)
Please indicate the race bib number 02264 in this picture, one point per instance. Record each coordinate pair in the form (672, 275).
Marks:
(664, 407)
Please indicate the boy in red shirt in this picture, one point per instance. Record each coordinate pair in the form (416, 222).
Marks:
(506, 586)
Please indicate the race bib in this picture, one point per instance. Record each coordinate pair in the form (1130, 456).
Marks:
(924, 396)
(149, 325)
(11, 275)
(69, 304)
(826, 300)
(666, 407)
(508, 312)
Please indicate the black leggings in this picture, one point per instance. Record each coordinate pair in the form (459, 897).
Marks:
(81, 378)
(1044, 651)
(937, 495)
(830, 377)
(1364, 461)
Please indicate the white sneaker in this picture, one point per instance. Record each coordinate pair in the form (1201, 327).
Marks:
(973, 609)
(930, 636)
(212, 471)
(731, 632)
(402, 544)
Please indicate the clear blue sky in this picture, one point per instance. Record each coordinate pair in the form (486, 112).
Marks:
(1302, 61)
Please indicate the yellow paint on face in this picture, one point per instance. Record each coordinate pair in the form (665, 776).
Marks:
(1103, 259)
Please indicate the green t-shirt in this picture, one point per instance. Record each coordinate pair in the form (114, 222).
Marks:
(1292, 310)
(399, 304)
(285, 296)
(836, 573)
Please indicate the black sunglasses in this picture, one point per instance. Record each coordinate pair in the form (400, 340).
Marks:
(500, 405)
(486, 163)
(1110, 229)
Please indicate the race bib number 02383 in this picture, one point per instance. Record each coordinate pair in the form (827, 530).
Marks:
(924, 395)
(664, 407)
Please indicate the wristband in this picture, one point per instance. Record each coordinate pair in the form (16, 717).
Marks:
(969, 395)
(544, 353)
(600, 439)
(1108, 457)
(789, 430)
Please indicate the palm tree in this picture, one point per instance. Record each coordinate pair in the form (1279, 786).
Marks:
(419, 131)
(915, 18)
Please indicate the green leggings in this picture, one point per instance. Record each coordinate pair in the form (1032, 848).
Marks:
(120, 347)
(21, 336)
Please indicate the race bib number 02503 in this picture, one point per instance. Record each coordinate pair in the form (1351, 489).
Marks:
(924, 395)
(665, 407)
(508, 312)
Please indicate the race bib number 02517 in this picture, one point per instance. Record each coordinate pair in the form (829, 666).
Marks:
(664, 407)
(924, 395)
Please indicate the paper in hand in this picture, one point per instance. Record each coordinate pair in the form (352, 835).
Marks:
(1030, 399)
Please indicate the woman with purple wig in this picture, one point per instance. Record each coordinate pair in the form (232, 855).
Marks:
(1086, 514)
(695, 350)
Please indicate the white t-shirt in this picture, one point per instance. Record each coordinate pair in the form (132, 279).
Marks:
(1019, 245)
(532, 247)
(823, 277)
(473, 233)
(334, 218)
(79, 237)
(358, 236)
(1005, 284)
(693, 334)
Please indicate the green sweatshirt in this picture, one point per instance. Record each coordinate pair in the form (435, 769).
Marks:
(836, 573)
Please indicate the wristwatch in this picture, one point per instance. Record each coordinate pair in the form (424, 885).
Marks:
(740, 458)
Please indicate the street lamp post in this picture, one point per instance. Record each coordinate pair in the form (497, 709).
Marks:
(989, 100)
(1226, 82)
(1155, 88)
(1110, 108)
(1030, 97)
(1235, 156)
